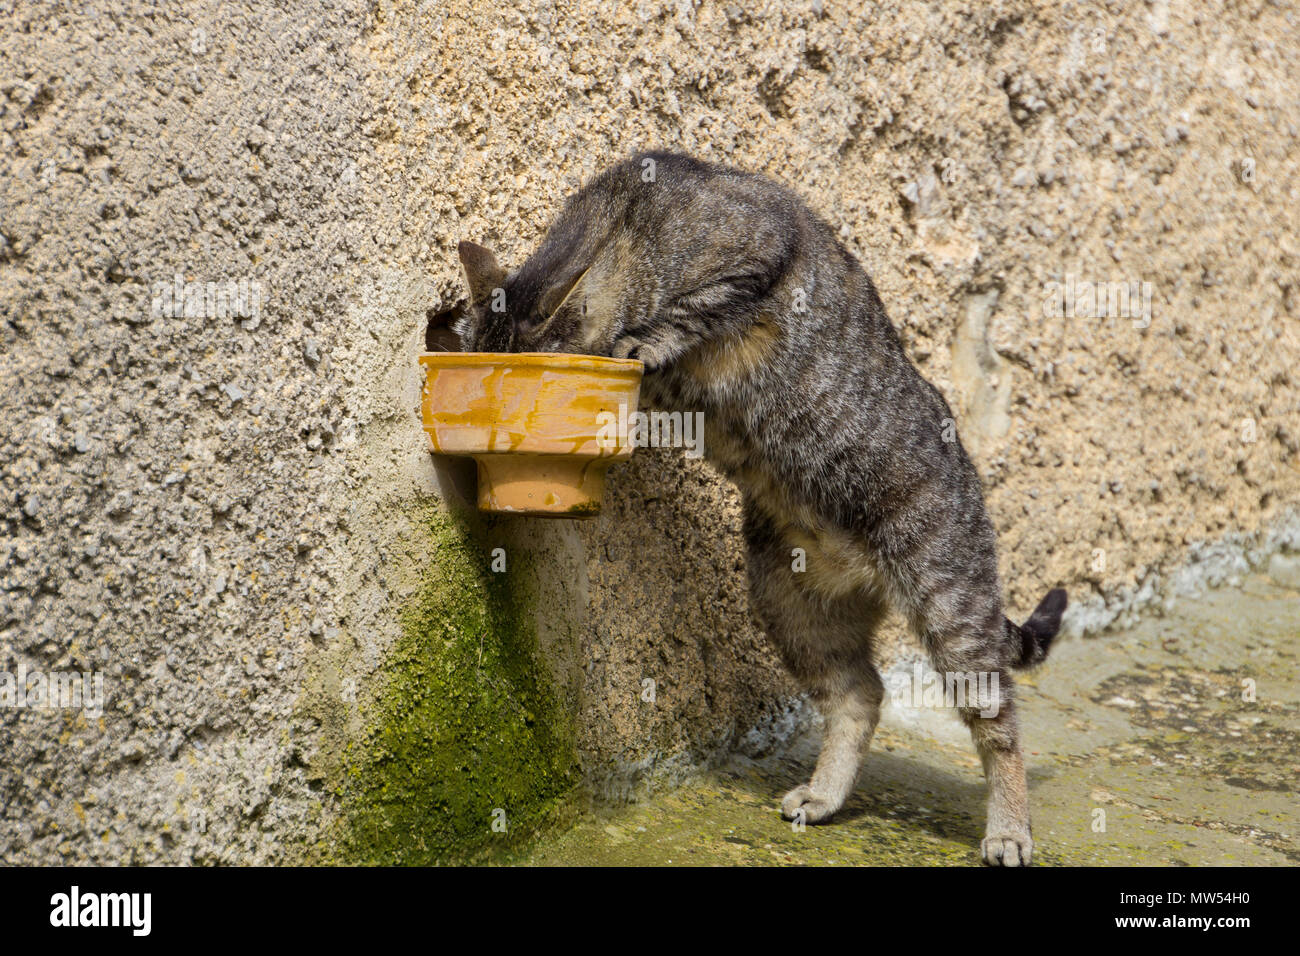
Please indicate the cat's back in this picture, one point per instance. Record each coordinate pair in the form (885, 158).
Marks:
(673, 197)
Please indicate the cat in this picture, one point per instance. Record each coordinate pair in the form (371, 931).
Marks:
(741, 303)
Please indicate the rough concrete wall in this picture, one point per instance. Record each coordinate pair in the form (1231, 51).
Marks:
(237, 522)
(174, 516)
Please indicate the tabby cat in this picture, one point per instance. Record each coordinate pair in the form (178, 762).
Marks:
(742, 304)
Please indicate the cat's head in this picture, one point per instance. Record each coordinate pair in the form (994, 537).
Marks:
(543, 307)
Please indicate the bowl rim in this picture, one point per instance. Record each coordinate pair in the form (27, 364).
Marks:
(559, 361)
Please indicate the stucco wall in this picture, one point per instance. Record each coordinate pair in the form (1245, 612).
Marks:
(237, 524)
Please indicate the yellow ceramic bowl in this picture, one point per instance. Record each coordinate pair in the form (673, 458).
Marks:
(543, 427)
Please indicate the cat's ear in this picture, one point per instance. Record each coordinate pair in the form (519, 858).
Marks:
(482, 271)
(559, 293)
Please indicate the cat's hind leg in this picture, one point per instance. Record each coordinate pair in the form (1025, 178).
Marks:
(851, 712)
(1007, 840)
(962, 626)
(825, 641)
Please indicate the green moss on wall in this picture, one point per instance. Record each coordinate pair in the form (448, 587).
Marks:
(467, 725)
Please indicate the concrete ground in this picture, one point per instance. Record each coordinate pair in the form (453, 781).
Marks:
(1143, 748)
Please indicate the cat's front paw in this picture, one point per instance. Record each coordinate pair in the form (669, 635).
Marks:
(648, 353)
(1007, 849)
(803, 805)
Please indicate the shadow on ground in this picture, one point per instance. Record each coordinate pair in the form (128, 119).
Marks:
(1174, 743)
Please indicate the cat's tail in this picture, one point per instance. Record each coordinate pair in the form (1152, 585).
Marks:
(1031, 640)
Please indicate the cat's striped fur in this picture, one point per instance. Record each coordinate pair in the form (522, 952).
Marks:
(742, 304)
